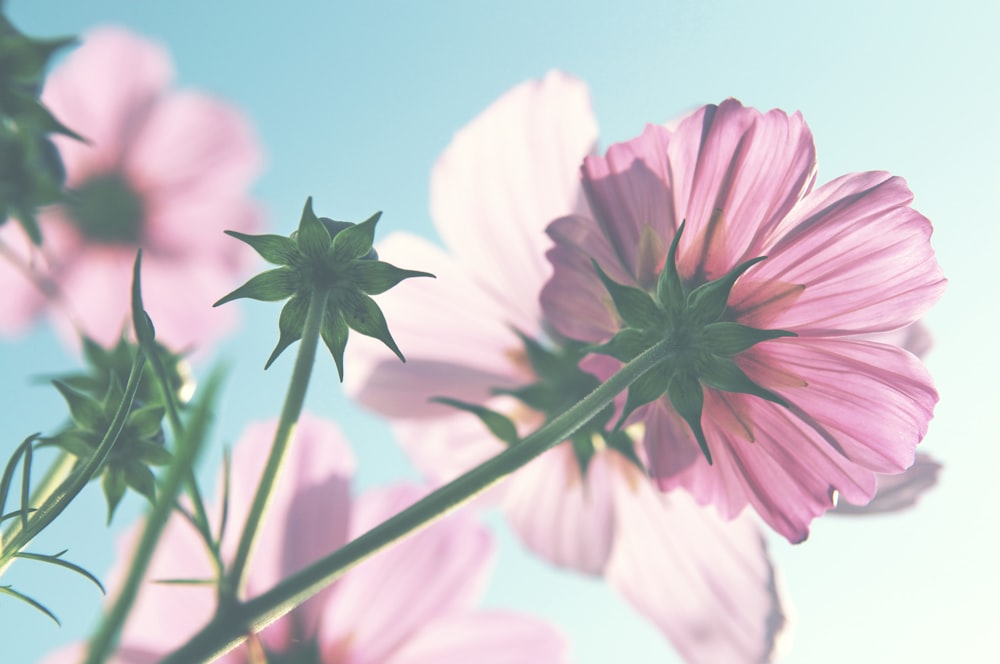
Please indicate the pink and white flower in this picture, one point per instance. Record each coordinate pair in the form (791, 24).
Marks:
(167, 170)
(411, 604)
(706, 583)
(847, 259)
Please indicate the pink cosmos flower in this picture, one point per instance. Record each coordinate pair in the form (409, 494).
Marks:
(705, 582)
(162, 169)
(411, 604)
(846, 259)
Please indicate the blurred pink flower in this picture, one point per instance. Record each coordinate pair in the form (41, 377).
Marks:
(162, 169)
(706, 583)
(846, 259)
(411, 604)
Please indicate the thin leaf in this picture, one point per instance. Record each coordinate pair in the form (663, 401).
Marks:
(8, 472)
(57, 560)
(141, 321)
(7, 590)
(271, 286)
(26, 485)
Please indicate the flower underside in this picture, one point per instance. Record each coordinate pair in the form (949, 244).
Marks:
(701, 341)
(107, 209)
(559, 385)
(335, 257)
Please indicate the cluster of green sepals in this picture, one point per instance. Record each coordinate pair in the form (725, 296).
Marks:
(559, 384)
(93, 399)
(335, 257)
(693, 320)
(31, 172)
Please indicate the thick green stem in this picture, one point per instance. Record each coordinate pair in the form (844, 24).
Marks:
(231, 626)
(294, 401)
(189, 443)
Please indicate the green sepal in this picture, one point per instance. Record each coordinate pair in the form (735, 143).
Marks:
(275, 249)
(290, 324)
(375, 277)
(648, 387)
(688, 399)
(627, 344)
(149, 453)
(669, 289)
(355, 241)
(8, 473)
(727, 339)
(141, 478)
(622, 443)
(362, 314)
(270, 286)
(334, 333)
(113, 484)
(543, 362)
(498, 424)
(583, 449)
(71, 441)
(708, 301)
(312, 238)
(145, 422)
(635, 306)
(87, 412)
(723, 374)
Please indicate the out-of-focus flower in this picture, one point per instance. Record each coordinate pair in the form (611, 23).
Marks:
(705, 582)
(787, 421)
(162, 169)
(411, 604)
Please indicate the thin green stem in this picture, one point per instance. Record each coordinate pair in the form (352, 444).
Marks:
(231, 626)
(72, 485)
(294, 401)
(188, 445)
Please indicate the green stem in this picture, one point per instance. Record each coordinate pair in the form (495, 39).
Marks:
(230, 627)
(188, 445)
(294, 401)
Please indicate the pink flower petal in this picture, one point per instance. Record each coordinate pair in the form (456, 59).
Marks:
(627, 191)
(505, 176)
(429, 321)
(576, 303)
(443, 448)
(22, 300)
(859, 255)
(898, 492)
(706, 583)
(437, 571)
(192, 162)
(485, 637)
(103, 91)
(735, 173)
(560, 515)
(874, 400)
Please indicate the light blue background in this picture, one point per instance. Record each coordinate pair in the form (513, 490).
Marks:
(354, 102)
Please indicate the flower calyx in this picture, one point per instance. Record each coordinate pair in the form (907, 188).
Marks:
(334, 257)
(701, 341)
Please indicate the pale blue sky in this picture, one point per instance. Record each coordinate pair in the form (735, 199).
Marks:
(353, 103)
